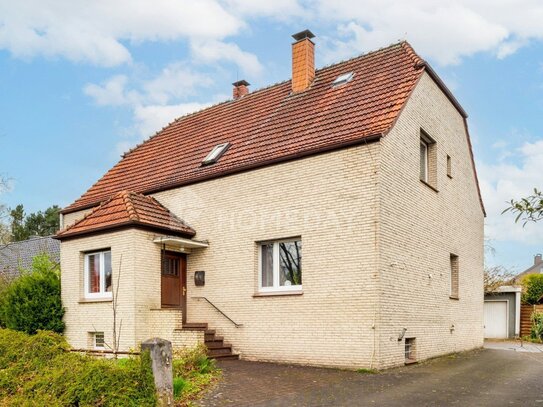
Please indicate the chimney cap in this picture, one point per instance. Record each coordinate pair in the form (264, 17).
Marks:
(302, 35)
(241, 82)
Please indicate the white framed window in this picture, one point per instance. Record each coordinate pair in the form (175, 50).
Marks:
(99, 341)
(423, 160)
(280, 265)
(98, 275)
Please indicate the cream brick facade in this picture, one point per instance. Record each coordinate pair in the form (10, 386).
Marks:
(420, 228)
(371, 232)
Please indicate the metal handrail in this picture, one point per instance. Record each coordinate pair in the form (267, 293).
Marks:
(217, 308)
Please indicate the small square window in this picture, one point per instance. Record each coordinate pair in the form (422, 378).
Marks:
(280, 265)
(215, 154)
(410, 351)
(99, 341)
(170, 265)
(98, 275)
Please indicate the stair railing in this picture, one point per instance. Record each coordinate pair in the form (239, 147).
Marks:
(217, 308)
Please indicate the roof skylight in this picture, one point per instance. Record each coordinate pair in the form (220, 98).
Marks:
(342, 79)
(215, 154)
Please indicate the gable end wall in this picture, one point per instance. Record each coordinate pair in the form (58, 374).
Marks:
(420, 228)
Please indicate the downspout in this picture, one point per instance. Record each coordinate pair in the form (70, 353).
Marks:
(517, 313)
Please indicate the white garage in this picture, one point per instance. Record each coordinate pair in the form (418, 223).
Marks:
(502, 313)
(496, 313)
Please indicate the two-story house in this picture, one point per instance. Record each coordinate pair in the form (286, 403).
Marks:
(333, 219)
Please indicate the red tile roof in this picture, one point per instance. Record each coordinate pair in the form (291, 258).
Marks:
(129, 209)
(271, 125)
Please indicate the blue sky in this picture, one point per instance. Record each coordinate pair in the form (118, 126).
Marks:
(82, 82)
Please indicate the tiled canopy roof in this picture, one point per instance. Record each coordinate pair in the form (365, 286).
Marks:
(271, 125)
(128, 209)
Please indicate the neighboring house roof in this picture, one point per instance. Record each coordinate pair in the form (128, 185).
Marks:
(128, 209)
(19, 255)
(272, 125)
(536, 268)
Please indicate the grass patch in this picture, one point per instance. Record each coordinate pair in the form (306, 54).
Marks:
(193, 371)
(38, 370)
(367, 371)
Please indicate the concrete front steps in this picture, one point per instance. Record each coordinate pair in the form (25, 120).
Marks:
(216, 347)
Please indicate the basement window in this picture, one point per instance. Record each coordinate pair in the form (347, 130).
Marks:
(410, 355)
(343, 79)
(99, 342)
(216, 153)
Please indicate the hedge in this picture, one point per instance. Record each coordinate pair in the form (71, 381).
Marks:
(32, 301)
(38, 370)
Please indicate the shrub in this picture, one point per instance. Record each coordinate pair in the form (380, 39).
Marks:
(38, 370)
(192, 372)
(32, 301)
(188, 361)
(533, 288)
(536, 331)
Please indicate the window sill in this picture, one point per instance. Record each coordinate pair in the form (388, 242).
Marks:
(93, 300)
(277, 294)
(429, 185)
(454, 297)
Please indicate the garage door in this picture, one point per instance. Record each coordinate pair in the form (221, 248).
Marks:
(495, 319)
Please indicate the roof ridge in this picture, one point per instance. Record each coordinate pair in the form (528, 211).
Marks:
(96, 208)
(172, 215)
(6, 245)
(129, 205)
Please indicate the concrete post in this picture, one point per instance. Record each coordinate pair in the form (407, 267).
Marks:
(160, 351)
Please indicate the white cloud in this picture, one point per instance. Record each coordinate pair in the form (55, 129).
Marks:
(95, 31)
(280, 9)
(443, 31)
(174, 82)
(212, 51)
(112, 92)
(512, 179)
(150, 119)
(154, 102)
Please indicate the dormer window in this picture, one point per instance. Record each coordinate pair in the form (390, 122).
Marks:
(215, 154)
(343, 79)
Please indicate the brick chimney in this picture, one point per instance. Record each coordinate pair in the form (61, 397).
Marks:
(538, 259)
(303, 61)
(240, 89)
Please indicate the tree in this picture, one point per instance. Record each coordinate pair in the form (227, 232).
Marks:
(32, 301)
(529, 209)
(35, 224)
(18, 230)
(4, 229)
(496, 276)
(532, 289)
(43, 223)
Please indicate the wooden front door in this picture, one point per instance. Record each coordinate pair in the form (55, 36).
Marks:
(174, 281)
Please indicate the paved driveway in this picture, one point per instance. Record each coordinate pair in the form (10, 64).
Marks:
(487, 377)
